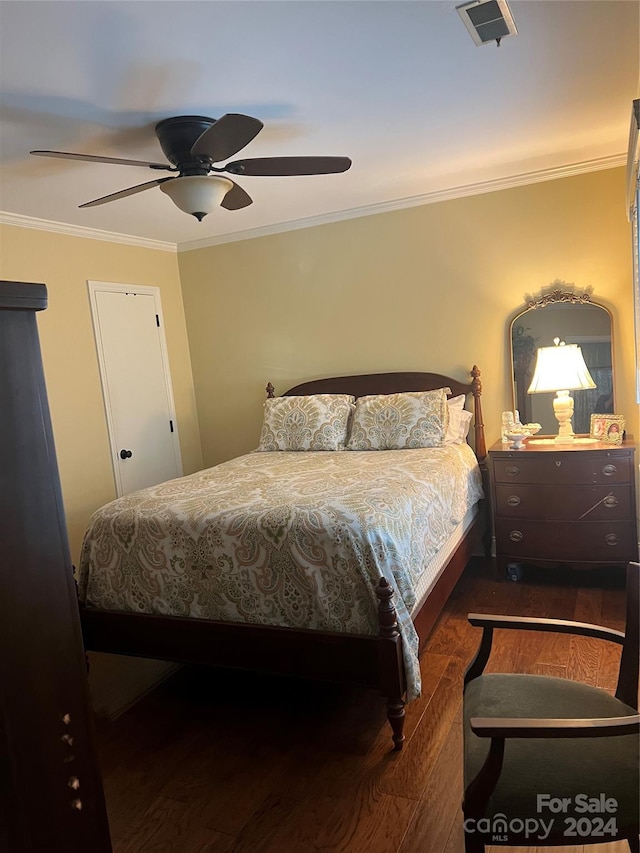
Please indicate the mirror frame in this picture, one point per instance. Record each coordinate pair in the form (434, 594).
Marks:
(560, 293)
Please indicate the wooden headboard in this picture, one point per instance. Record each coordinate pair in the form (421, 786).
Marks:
(390, 383)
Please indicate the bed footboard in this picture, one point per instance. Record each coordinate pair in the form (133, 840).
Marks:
(369, 661)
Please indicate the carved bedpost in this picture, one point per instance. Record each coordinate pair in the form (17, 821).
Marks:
(476, 390)
(391, 664)
(481, 453)
(270, 389)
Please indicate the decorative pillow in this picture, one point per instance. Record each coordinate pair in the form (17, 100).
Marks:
(456, 402)
(313, 422)
(399, 421)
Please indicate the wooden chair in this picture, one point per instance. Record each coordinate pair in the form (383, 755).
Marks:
(541, 750)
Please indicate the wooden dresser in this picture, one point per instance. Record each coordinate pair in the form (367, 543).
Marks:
(563, 504)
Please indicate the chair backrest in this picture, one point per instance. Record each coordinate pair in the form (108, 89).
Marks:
(627, 689)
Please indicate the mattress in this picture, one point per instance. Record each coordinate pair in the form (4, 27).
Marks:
(436, 566)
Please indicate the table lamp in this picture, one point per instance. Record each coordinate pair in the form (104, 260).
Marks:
(561, 368)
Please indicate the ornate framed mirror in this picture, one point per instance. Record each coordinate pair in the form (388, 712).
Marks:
(575, 318)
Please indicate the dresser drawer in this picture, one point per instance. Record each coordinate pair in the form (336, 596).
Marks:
(563, 503)
(598, 541)
(568, 468)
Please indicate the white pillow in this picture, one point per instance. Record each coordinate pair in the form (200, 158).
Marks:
(311, 422)
(458, 429)
(456, 402)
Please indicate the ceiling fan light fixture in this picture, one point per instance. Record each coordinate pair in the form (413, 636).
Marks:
(197, 194)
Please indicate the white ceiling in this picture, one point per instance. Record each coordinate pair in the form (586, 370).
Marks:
(397, 86)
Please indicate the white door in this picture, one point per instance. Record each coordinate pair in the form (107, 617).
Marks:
(136, 384)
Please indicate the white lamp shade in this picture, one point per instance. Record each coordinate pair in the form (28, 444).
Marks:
(560, 368)
(197, 194)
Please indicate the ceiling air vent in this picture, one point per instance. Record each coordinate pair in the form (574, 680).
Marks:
(487, 20)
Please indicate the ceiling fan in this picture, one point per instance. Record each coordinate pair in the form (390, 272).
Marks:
(192, 145)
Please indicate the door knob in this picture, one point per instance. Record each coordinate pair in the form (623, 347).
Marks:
(125, 454)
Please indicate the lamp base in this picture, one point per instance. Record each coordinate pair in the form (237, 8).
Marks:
(563, 410)
(564, 439)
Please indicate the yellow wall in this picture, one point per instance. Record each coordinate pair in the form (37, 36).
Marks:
(425, 288)
(65, 263)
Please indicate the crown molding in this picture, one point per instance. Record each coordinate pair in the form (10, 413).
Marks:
(80, 231)
(448, 194)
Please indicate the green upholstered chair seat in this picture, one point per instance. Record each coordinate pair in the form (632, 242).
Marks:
(534, 767)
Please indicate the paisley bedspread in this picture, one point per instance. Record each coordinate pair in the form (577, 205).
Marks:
(289, 539)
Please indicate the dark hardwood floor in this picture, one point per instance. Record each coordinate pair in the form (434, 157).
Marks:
(220, 761)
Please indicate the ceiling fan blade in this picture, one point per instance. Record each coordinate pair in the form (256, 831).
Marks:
(124, 193)
(282, 166)
(226, 137)
(94, 158)
(236, 198)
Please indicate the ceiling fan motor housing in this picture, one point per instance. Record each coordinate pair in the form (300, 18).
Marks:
(177, 137)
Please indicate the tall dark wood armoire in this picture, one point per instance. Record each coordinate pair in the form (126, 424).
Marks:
(51, 796)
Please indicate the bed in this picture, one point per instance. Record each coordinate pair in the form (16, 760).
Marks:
(272, 562)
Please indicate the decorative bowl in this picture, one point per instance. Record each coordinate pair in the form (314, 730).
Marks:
(517, 438)
(532, 429)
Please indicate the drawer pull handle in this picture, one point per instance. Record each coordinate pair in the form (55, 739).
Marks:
(512, 470)
(513, 500)
(609, 470)
(558, 463)
(516, 536)
(611, 539)
(611, 501)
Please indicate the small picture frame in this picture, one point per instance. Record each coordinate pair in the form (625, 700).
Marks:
(607, 428)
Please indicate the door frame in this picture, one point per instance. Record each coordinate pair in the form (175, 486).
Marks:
(95, 287)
